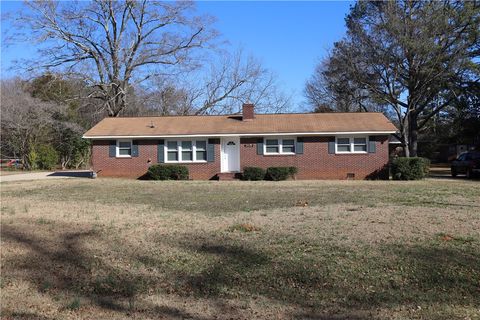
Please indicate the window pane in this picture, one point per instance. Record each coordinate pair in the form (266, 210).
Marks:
(343, 148)
(201, 145)
(288, 142)
(272, 149)
(290, 149)
(343, 141)
(124, 152)
(360, 147)
(124, 144)
(187, 145)
(359, 140)
(271, 142)
(201, 155)
(172, 156)
(172, 145)
(187, 155)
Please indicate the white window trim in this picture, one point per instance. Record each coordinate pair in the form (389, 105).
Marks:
(280, 146)
(179, 151)
(351, 139)
(117, 149)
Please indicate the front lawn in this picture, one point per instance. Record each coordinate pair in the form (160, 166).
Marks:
(121, 249)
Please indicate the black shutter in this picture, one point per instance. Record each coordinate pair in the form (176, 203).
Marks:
(299, 146)
(112, 149)
(331, 145)
(134, 148)
(372, 147)
(260, 146)
(160, 151)
(211, 150)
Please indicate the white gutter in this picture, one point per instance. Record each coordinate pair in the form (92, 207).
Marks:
(240, 135)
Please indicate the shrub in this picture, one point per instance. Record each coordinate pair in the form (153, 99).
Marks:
(415, 168)
(32, 159)
(168, 172)
(253, 174)
(280, 173)
(47, 157)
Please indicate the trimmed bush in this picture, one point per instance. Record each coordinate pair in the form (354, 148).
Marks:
(415, 168)
(253, 173)
(167, 172)
(280, 173)
(47, 157)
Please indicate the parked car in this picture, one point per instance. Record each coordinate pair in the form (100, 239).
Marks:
(467, 163)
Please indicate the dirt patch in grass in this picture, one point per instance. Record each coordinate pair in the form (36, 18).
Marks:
(375, 256)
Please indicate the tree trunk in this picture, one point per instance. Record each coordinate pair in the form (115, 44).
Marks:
(412, 134)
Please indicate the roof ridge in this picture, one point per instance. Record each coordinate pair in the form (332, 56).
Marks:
(239, 114)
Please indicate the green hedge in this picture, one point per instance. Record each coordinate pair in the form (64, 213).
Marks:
(253, 173)
(167, 172)
(47, 157)
(280, 173)
(415, 168)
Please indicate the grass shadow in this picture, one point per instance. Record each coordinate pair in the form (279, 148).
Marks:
(304, 275)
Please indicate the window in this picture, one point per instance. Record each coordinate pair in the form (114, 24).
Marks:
(288, 146)
(186, 151)
(124, 148)
(280, 146)
(472, 156)
(172, 150)
(201, 152)
(352, 145)
(343, 145)
(359, 144)
(272, 146)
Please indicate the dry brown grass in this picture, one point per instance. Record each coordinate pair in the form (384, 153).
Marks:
(101, 249)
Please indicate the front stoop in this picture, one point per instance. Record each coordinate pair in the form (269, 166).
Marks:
(228, 176)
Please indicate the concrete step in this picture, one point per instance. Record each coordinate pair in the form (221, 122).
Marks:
(228, 176)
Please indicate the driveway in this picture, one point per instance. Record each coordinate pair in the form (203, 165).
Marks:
(46, 175)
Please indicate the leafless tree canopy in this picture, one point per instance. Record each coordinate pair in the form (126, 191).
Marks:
(28, 122)
(330, 89)
(115, 44)
(145, 57)
(222, 88)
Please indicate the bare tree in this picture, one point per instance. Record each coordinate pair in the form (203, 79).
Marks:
(330, 89)
(417, 57)
(230, 81)
(115, 45)
(25, 120)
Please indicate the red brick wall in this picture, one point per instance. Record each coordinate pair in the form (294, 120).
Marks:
(314, 163)
(136, 167)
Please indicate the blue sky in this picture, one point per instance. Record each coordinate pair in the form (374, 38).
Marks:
(289, 37)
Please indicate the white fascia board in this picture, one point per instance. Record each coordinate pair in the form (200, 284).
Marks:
(240, 135)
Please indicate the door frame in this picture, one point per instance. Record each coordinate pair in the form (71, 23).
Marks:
(223, 159)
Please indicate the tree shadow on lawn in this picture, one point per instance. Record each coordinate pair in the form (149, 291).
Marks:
(351, 284)
(332, 283)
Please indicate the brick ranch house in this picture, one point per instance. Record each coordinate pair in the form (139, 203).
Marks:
(320, 145)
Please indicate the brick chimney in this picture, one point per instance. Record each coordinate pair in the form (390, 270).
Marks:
(248, 113)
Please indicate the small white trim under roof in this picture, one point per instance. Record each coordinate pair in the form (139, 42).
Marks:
(240, 135)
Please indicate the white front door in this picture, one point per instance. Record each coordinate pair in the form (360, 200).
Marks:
(230, 154)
